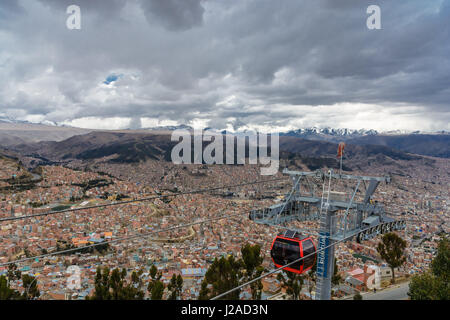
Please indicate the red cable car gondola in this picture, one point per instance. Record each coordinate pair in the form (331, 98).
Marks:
(290, 246)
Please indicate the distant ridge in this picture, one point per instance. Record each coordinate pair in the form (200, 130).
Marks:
(436, 145)
(169, 128)
(17, 132)
(429, 144)
(13, 132)
(329, 134)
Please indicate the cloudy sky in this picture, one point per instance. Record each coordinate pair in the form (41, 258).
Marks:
(262, 64)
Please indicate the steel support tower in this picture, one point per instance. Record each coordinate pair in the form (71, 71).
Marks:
(340, 216)
(325, 258)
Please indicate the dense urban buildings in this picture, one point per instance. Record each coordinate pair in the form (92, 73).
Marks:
(417, 195)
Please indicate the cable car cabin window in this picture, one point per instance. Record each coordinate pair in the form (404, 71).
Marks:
(308, 248)
(285, 251)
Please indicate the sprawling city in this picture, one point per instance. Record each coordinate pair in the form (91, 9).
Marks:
(321, 171)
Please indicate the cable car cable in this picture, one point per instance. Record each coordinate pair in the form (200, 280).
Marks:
(137, 200)
(135, 236)
(139, 235)
(282, 267)
(129, 237)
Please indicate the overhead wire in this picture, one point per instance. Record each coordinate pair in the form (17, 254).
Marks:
(144, 234)
(137, 200)
(135, 236)
(282, 267)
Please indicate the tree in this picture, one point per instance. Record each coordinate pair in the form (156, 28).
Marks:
(116, 283)
(357, 296)
(13, 272)
(293, 283)
(336, 278)
(157, 290)
(6, 293)
(441, 263)
(392, 250)
(311, 275)
(251, 261)
(175, 287)
(136, 278)
(204, 291)
(434, 284)
(102, 286)
(26, 252)
(222, 275)
(113, 285)
(134, 291)
(422, 287)
(31, 290)
(227, 273)
(155, 286)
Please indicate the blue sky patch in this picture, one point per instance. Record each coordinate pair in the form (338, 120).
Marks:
(111, 78)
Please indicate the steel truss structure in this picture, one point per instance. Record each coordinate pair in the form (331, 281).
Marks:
(349, 214)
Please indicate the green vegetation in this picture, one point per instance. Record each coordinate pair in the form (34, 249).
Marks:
(93, 184)
(311, 275)
(222, 275)
(18, 187)
(113, 286)
(365, 258)
(293, 283)
(336, 279)
(22, 179)
(441, 263)
(100, 248)
(392, 250)
(434, 284)
(252, 260)
(175, 287)
(156, 286)
(227, 273)
(357, 296)
(61, 207)
(13, 272)
(75, 199)
(36, 204)
(29, 283)
(6, 293)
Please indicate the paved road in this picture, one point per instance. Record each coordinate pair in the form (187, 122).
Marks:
(397, 292)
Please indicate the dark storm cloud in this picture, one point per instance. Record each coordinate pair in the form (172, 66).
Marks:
(174, 15)
(105, 9)
(9, 7)
(255, 62)
(8, 10)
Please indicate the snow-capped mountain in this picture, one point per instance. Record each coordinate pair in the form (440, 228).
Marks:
(6, 119)
(16, 132)
(169, 128)
(329, 134)
(333, 131)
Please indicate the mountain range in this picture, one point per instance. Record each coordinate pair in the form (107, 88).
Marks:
(49, 143)
(132, 147)
(13, 132)
(429, 144)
